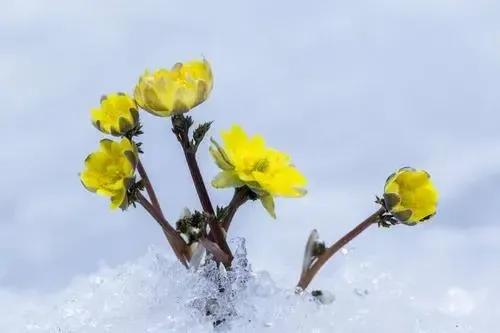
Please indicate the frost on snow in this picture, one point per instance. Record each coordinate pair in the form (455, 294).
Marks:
(155, 294)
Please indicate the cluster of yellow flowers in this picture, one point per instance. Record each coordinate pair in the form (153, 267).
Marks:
(244, 160)
(110, 170)
(246, 163)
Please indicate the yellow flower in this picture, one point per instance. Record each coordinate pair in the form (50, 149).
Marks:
(168, 92)
(117, 114)
(247, 161)
(109, 171)
(410, 195)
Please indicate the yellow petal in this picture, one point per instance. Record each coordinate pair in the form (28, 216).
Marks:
(415, 192)
(109, 171)
(167, 92)
(265, 170)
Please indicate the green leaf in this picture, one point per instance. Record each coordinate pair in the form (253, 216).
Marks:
(220, 212)
(199, 133)
(268, 203)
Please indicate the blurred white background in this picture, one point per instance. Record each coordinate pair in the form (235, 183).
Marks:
(351, 89)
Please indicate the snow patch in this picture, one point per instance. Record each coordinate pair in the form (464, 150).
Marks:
(155, 294)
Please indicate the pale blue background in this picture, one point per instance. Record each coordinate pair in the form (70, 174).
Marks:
(351, 89)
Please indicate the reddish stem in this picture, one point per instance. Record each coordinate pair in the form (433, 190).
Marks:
(309, 274)
(149, 187)
(241, 195)
(216, 233)
(173, 238)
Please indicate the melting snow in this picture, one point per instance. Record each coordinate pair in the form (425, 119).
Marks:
(155, 294)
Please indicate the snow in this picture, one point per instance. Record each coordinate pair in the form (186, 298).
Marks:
(155, 294)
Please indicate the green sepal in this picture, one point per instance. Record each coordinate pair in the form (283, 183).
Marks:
(135, 115)
(114, 132)
(301, 191)
(129, 182)
(406, 168)
(427, 217)
(391, 200)
(125, 203)
(90, 189)
(226, 179)
(106, 144)
(97, 125)
(255, 187)
(177, 66)
(403, 216)
(131, 157)
(124, 125)
(220, 156)
(268, 203)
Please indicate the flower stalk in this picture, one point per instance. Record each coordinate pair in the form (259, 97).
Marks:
(216, 251)
(149, 187)
(178, 245)
(154, 209)
(180, 127)
(175, 241)
(307, 275)
(241, 195)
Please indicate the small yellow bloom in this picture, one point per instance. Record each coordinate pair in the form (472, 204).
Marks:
(109, 171)
(247, 161)
(410, 195)
(116, 115)
(168, 92)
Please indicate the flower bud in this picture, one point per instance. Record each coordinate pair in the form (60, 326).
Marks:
(410, 196)
(116, 115)
(168, 92)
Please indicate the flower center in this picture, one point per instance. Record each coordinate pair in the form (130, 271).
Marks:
(261, 165)
(112, 115)
(408, 197)
(113, 173)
